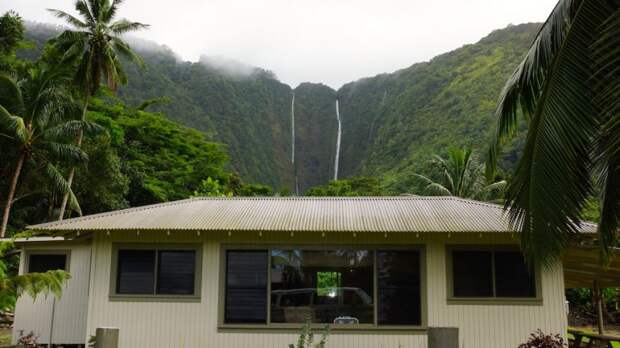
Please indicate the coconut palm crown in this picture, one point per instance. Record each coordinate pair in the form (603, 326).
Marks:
(461, 176)
(95, 45)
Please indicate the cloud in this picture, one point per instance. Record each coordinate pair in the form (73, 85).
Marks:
(327, 41)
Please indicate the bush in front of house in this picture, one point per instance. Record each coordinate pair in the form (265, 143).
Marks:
(541, 340)
(306, 337)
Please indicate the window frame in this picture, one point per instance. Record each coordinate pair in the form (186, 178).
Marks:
(373, 327)
(30, 252)
(157, 247)
(537, 300)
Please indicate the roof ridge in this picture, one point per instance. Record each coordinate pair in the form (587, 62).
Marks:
(256, 198)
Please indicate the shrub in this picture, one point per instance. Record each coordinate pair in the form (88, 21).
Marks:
(27, 341)
(306, 338)
(541, 340)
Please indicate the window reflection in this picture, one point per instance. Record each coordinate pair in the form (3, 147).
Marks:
(324, 286)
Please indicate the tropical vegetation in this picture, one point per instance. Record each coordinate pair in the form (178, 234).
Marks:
(460, 175)
(392, 123)
(567, 91)
(12, 286)
(94, 45)
(37, 114)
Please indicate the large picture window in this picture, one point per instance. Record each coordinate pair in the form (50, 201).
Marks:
(327, 286)
(491, 274)
(157, 272)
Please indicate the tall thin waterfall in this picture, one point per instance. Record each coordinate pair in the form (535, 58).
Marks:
(293, 143)
(293, 129)
(337, 159)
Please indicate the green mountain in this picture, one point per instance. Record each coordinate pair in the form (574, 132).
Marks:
(391, 123)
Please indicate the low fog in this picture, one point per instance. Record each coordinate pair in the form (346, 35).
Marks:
(332, 42)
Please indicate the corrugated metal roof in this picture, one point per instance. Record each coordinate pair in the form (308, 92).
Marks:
(330, 214)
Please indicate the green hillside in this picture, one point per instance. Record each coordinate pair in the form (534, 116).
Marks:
(392, 123)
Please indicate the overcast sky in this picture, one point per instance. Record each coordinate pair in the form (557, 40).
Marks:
(328, 41)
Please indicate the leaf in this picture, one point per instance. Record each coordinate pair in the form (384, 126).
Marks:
(62, 186)
(68, 18)
(552, 181)
(11, 96)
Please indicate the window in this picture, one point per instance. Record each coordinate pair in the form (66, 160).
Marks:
(246, 286)
(161, 272)
(328, 286)
(491, 274)
(41, 263)
(398, 282)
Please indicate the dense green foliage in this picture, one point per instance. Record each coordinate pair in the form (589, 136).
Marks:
(33, 284)
(160, 160)
(461, 175)
(567, 89)
(392, 122)
(355, 186)
(134, 157)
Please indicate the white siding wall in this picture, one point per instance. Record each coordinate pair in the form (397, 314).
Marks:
(70, 310)
(177, 324)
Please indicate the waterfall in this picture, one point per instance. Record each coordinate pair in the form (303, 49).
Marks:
(293, 130)
(293, 144)
(337, 159)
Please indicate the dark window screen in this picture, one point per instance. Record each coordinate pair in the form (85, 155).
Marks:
(472, 273)
(246, 286)
(398, 281)
(512, 276)
(136, 272)
(41, 263)
(176, 272)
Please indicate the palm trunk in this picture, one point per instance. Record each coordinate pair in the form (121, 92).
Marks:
(65, 198)
(9, 200)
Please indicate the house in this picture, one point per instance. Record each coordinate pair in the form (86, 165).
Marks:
(245, 272)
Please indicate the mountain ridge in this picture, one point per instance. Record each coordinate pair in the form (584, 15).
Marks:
(392, 122)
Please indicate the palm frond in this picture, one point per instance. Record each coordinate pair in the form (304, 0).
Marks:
(124, 50)
(95, 9)
(82, 7)
(437, 189)
(73, 129)
(433, 188)
(124, 26)
(551, 85)
(111, 10)
(68, 18)
(67, 153)
(14, 125)
(526, 83)
(11, 97)
(490, 191)
(34, 284)
(61, 186)
(606, 78)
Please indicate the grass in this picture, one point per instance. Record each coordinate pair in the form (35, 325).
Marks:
(5, 337)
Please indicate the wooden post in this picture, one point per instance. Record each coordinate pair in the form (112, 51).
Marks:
(598, 297)
(443, 337)
(107, 337)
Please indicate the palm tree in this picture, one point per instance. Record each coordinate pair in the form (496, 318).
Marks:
(35, 116)
(13, 286)
(96, 44)
(461, 177)
(567, 89)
